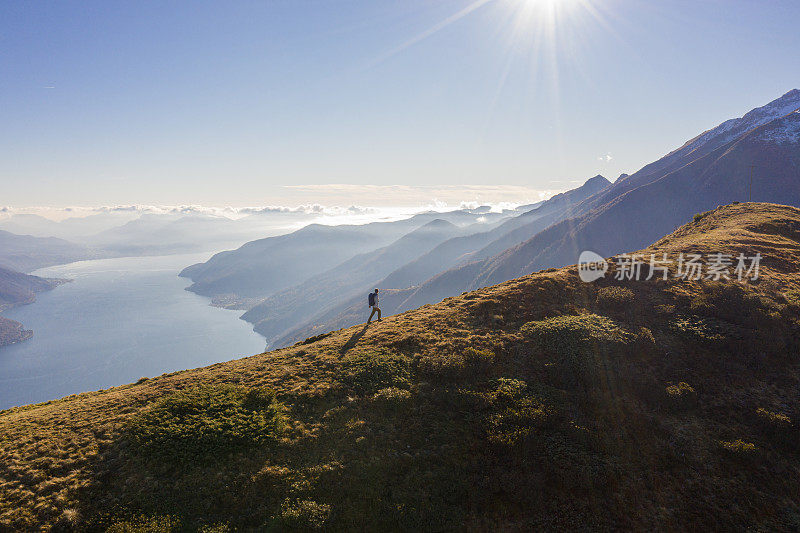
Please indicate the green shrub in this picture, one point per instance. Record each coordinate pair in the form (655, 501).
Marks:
(738, 447)
(644, 339)
(146, 524)
(439, 368)
(702, 329)
(391, 397)
(681, 389)
(681, 396)
(477, 361)
(514, 424)
(469, 364)
(777, 427)
(509, 390)
(700, 216)
(367, 373)
(775, 419)
(218, 528)
(615, 298)
(259, 399)
(581, 347)
(304, 515)
(313, 339)
(207, 421)
(792, 298)
(573, 335)
(733, 303)
(517, 413)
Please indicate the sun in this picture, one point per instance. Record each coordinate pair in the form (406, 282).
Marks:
(550, 33)
(544, 2)
(536, 9)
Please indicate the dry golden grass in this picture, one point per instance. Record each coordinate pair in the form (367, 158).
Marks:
(400, 425)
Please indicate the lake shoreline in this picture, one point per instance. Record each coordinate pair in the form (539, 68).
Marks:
(117, 320)
(13, 332)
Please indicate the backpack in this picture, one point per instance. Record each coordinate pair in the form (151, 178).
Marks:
(371, 299)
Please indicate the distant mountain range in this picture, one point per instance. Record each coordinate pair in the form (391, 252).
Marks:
(26, 253)
(262, 268)
(326, 291)
(131, 233)
(412, 267)
(714, 168)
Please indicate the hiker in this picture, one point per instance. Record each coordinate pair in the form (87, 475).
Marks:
(373, 303)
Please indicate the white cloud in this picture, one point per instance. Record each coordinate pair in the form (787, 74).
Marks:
(605, 158)
(435, 196)
(330, 203)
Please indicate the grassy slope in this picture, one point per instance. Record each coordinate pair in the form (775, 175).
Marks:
(539, 402)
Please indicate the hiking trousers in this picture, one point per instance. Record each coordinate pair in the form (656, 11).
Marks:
(374, 309)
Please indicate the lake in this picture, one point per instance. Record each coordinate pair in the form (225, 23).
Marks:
(118, 320)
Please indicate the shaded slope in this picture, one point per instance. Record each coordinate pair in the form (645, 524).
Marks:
(540, 403)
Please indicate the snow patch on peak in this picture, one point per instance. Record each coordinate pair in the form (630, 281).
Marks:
(732, 128)
(782, 130)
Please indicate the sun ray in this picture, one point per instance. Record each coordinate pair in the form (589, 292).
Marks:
(431, 31)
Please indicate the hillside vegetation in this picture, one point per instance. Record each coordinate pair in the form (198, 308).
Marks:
(542, 402)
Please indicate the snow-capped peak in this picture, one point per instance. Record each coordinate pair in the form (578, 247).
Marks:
(730, 129)
(785, 129)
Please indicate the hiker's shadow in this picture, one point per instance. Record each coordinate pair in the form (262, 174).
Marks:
(353, 340)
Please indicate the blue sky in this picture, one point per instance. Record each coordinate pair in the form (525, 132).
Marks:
(279, 102)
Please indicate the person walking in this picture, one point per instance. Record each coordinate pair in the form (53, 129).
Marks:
(373, 303)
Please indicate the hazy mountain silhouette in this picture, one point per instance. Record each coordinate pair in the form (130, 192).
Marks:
(72, 228)
(705, 143)
(292, 307)
(26, 253)
(400, 284)
(153, 234)
(480, 245)
(261, 268)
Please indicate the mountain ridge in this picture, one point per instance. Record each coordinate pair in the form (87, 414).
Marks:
(627, 217)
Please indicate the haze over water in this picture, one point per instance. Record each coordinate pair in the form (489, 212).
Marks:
(118, 320)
